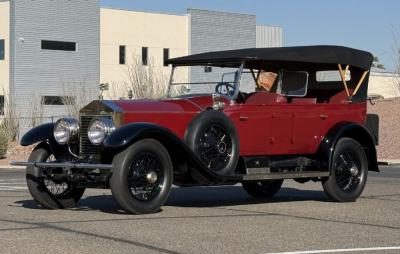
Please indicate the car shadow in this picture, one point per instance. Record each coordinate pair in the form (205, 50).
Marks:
(197, 197)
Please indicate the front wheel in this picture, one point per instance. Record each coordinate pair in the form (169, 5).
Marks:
(47, 192)
(142, 177)
(349, 171)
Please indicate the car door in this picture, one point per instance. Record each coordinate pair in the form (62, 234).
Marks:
(308, 117)
(264, 125)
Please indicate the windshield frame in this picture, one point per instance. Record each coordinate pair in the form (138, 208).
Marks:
(237, 82)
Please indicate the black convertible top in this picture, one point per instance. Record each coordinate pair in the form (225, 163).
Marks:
(325, 55)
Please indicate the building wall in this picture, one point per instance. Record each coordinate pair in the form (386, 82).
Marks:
(384, 84)
(135, 30)
(214, 31)
(269, 36)
(36, 72)
(5, 35)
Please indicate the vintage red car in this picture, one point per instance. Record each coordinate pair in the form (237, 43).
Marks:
(266, 115)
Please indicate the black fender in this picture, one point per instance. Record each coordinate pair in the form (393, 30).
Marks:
(355, 131)
(178, 150)
(44, 135)
(38, 134)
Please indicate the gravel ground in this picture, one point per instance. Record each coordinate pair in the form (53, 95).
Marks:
(389, 131)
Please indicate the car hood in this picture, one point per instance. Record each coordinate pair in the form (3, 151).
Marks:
(173, 105)
(191, 104)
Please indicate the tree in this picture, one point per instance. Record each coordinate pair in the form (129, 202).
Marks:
(145, 81)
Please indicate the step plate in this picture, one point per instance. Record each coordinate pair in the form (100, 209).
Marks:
(291, 175)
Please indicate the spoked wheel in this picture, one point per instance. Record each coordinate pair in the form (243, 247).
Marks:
(146, 177)
(47, 192)
(215, 147)
(348, 173)
(212, 136)
(262, 189)
(142, 177)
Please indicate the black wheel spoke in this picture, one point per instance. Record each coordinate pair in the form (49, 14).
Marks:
(347, 171)
(140, 183)
(215, 147)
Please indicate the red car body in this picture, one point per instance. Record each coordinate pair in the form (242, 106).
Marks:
(297, 127)
(267, 124)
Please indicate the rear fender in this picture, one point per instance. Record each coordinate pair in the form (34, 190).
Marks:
(350, 130)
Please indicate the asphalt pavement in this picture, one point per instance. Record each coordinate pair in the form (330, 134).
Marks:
(207, 220)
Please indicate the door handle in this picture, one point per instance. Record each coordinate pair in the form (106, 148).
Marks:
(243, 118)
(324, 116)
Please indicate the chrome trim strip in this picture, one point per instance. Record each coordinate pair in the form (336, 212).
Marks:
(62, 165)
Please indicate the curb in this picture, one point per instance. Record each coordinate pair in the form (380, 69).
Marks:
(6, 167)
(389, 162)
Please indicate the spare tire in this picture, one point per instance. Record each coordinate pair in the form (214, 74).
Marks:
(213, 137)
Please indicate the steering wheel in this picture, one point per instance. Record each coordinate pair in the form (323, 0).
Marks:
(225, 88)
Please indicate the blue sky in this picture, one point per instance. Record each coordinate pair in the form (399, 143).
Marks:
(367, 24)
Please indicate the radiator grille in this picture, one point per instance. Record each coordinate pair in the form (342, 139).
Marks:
(86, 149)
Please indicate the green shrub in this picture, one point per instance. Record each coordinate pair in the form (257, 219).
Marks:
(3, 143)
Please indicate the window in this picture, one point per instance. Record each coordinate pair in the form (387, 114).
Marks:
(122, 50)
(166, 56)
(58, 100)
(207, 69)
(331, 76)
(1, 105)
(145, 52)
(2, 50)
(59, 45)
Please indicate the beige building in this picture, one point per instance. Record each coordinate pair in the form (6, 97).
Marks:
(136, 41)
(384, 84)
(4, 52)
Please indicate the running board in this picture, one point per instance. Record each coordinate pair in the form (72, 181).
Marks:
(287, 175)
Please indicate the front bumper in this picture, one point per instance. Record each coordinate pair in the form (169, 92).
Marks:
(62, 165)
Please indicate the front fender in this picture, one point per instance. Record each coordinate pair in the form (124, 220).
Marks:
(130, 133)
(38, 134)
(351, 130)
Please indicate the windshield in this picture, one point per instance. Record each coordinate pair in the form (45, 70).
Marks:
(204, 80)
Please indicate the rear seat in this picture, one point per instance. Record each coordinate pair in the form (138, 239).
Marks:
(304, 101)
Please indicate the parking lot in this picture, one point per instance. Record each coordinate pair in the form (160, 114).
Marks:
(205, 220)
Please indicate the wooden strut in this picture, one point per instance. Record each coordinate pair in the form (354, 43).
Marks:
(343, 76)
(360, 82)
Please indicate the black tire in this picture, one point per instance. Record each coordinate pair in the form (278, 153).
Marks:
(262, 189)
(129, 182)
(212, 136)
(349, 171)
(39, 188)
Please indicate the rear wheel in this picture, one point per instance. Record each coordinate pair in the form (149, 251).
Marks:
(349, 171)
(142, 177)
(49, 193)
(263, 189)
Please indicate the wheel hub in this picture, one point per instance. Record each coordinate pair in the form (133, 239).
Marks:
(221, 147)
(354, 171)
(151, 177)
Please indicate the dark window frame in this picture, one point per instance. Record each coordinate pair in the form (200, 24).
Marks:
(2, 105)
(2, 49)
(166, 56)
(58, 45)
(54, 100)
(122, 54)
(145, 56)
